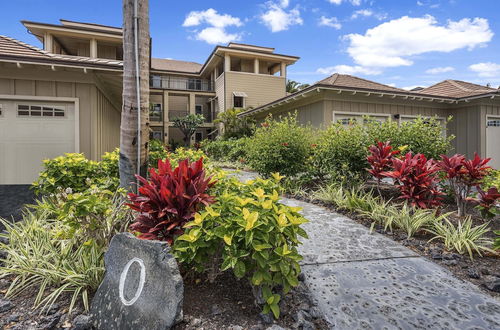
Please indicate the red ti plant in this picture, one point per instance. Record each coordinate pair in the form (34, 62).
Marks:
(462, 175)
(417, 180)
(380, 159)
(169, 199)
(486, 201)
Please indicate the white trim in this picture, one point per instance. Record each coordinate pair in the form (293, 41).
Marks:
(244, 102)
(240, 94)
(74, 100)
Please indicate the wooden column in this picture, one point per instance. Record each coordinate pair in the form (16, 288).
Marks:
(227, 63)
(48, 42)
(283, 69)
(256, 66)
(93, 48)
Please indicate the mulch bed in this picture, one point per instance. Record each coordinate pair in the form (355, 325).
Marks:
(481, 271)
(227, 303)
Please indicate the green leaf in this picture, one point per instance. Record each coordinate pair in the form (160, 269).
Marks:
(276, 310)
(239, 269)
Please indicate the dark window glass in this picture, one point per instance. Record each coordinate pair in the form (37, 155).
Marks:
(238, 102)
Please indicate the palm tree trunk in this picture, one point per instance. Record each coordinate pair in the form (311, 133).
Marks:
(129, 121)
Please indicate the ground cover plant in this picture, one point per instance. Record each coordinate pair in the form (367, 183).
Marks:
(249, 231)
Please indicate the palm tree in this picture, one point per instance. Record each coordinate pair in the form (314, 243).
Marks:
(292, 86)
(134, 46)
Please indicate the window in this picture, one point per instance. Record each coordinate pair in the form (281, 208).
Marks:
(198, 109)
(24, 110)
(198, 137)
(489, 123)
(155, 112)
(156, 133)
(238, 102)
(194, 84)
(0, 110)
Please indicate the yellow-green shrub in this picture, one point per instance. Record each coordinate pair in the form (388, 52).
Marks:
(249, 231)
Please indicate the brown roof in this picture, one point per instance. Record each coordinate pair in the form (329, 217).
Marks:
(457, 89)
(348, 81)
(14, 49)
(175, 65)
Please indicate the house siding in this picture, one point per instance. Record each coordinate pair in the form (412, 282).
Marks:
(99, 118)
(261, 89)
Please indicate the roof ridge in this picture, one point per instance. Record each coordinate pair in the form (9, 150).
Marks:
(370, 81)
(454, 83)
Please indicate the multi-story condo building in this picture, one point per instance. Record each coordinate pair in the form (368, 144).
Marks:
(66, 95)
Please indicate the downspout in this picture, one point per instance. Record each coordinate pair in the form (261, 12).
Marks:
(138, 89)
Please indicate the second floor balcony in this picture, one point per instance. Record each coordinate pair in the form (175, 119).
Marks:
(181, 83)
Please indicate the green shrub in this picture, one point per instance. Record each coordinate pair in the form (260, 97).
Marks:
(85, 216)
(76, 172)
(341, 153)
(235, 127)
(69, 171)
(496, 242)
(492, 180)
(422, 135)
(41, 254)
(249, 231)
(232, 150)
(462, 238)
(280, 146)
(157, 151)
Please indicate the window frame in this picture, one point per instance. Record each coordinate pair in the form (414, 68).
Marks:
(242, 102)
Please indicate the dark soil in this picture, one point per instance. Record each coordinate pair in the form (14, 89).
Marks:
(227, 303)
(480, 271)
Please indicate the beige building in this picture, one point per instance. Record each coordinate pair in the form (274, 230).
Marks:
(66, 96)
(475, 109)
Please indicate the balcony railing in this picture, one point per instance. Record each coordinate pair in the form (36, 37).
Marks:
(180, 83)
(182, 113)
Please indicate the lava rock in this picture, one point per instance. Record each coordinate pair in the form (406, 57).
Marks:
(53, 308)
(493, 284)
(216, 310)
(13, 318)
(142, 288)
(235, 327)
(195, 322)
(436, 254)
(50, 322)
(450, 262)
(275, 327)
(82, 322)
(5, 305)
(266, 318)
(485, 271)
(473, 273)
(301, 277)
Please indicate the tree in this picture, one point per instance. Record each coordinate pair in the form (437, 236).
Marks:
(188, 125)
(234, 126)
(130, 162)
(292, 86)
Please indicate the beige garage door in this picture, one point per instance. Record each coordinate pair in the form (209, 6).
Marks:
(493, 141)
(30, 132)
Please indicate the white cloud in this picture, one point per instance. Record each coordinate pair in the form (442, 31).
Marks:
(353, 2)
(330, 21)
(348, 69)
(211, 17)
(216, 32)
(390, 44)
(409, 88)
(368, 13)
(215, 35)
(441, 69)
(486, 69)
(276, 18)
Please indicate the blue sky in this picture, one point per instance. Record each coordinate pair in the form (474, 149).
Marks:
(403, 43)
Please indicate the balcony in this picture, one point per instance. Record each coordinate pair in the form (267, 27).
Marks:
(181, 83)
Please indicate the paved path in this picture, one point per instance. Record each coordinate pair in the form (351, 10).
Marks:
(361, 280)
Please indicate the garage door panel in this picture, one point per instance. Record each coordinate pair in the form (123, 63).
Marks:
(26, 141)
(492, 141)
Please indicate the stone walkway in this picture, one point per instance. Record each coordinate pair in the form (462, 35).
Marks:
(363, 280)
